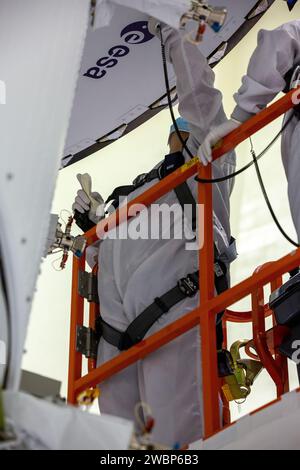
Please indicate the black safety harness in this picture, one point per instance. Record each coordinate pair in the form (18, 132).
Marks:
(185, 287)
(138, 328)
(172, 162)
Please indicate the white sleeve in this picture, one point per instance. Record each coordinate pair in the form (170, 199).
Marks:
(276, 54)
(199, 101)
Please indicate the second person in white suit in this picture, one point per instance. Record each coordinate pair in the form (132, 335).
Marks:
(270, 71)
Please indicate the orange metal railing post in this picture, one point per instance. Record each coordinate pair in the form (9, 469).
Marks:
(260, 342)
(207, 320)
(280, 360)
(77, 314)
(94, 312)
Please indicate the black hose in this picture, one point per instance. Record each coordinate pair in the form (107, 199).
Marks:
(183, 142)
(263, 188)
(238, 172)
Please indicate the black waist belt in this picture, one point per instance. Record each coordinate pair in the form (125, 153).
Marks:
(138, 328)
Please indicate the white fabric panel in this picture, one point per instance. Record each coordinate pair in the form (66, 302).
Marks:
(119, 78)
(67, 427)
(276, 427)
(169, 11)
(41, 45)
(122, 64)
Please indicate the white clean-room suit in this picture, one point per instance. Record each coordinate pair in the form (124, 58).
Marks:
(277, 53)
(134, 272)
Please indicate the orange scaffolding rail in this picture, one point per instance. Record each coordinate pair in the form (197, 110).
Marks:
(264, 342)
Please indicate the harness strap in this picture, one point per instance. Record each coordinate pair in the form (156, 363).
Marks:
(185, 197)
(171, 162)
(138, 328)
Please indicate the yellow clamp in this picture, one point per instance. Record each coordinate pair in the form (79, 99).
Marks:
(238, 386)
(88, 397)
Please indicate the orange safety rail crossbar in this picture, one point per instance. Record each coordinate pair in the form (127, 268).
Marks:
(166, 185)
(205, 315)
(243, 317)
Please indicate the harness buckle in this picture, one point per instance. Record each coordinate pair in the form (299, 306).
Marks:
(188, 286)
(127, 342)
(219, 272)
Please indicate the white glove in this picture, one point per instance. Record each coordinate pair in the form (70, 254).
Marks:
(213, 137)
(89, 201)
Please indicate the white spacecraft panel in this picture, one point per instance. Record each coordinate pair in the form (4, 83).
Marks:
(121, 73)
(276, 427)
(67, 427)
(41, 46)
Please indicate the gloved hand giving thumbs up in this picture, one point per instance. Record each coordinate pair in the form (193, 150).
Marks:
(88, 206)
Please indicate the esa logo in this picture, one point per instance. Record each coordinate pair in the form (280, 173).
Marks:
(135, 33)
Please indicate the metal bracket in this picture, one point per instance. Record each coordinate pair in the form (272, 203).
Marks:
(86, 342)
(88, 286)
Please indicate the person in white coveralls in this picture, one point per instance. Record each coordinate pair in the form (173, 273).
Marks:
(273, 68)
(134, 273)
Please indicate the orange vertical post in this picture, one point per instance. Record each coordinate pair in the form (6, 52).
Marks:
(260, 342)
(280, 360)
(94, 312)
(77, 314)
(207, 319)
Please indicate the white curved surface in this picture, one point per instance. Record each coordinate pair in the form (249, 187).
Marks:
(276, 427)
(67, 427)
(134, 80)
(41, 45)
